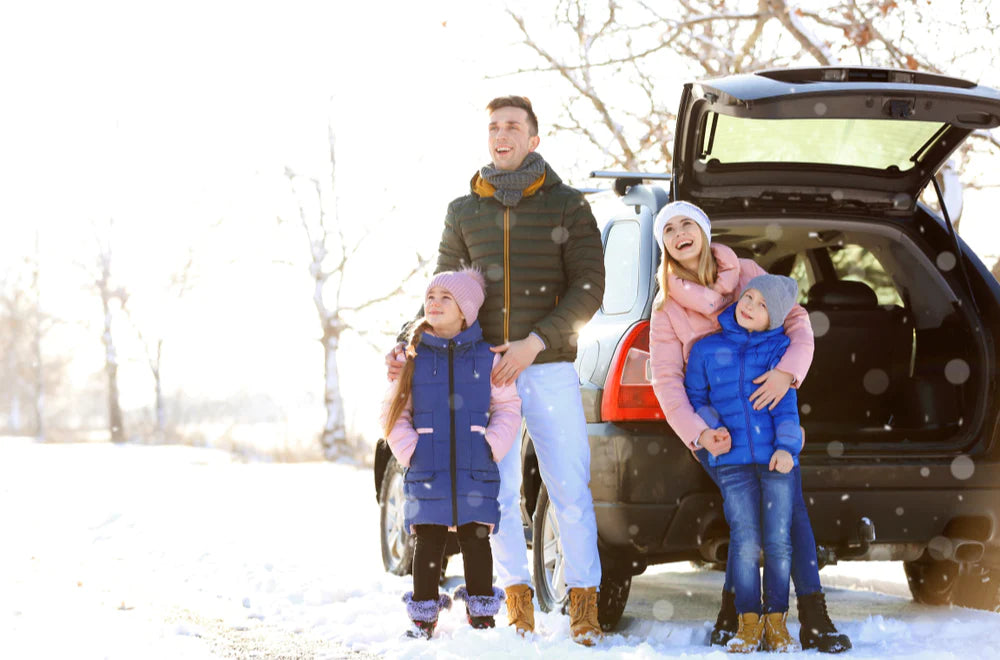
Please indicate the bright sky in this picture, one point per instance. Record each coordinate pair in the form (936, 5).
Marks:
(178, 119)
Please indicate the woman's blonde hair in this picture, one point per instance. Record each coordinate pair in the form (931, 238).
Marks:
(705, 275)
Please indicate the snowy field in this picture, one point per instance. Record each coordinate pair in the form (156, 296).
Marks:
(135, 552)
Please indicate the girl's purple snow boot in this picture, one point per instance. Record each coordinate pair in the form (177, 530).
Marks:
(480, 610)
(423, 615)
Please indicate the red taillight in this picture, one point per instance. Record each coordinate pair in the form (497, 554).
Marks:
(628, 393)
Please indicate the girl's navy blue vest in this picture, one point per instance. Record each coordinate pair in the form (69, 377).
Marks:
(452, 479)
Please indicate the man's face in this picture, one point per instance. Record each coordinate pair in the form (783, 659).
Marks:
(510, 139)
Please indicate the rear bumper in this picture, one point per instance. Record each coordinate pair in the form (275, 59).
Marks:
(652, 499)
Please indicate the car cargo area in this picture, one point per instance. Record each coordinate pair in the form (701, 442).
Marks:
(899, 352)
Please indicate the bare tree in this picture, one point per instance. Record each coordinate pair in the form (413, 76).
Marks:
(619, 60)
(113, 297)
(331, 256)
(152, 338)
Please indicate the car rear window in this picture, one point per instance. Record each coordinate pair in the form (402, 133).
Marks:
(621, 265)
(870, 143)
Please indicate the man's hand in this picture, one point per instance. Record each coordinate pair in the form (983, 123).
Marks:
(394, 362)
(517, 356)
(716, 441)
(773, 386)
(781, 461)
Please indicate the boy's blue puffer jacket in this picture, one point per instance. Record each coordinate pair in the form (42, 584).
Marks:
(452, 479)
(719, 382)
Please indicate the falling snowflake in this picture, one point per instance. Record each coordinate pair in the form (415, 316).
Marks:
(962, 467)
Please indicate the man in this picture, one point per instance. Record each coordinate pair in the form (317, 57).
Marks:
(537, 242)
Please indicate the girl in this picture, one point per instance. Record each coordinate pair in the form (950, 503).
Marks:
(448, 424)
(697, 281)
(753, 475)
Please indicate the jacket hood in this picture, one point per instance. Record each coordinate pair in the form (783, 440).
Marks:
(465, 338)
(709, 300)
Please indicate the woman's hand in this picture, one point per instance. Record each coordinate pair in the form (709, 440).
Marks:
(716, 441)
(773, 386)
(781, 461)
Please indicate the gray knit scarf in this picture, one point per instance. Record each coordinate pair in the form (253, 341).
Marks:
(510, 184)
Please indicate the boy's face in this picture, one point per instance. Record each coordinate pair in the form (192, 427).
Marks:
(751, 311)
(510, 138)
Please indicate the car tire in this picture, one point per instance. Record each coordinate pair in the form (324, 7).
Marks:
(549, 565)
(616, 584)
(931, 581)
(396, 541)
(978, 587)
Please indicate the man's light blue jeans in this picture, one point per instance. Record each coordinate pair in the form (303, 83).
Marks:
(553, 412)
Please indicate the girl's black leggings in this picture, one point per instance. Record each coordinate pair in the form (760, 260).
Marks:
(474, 540)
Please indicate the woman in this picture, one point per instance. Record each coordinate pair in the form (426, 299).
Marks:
(697, 281)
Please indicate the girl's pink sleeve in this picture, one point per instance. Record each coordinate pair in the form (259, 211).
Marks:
(799, 354)
(402, 438)
(666, 358)
(505, 417)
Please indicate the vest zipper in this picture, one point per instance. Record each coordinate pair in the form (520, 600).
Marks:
(746, 406)
(506, 274)
(451, 415)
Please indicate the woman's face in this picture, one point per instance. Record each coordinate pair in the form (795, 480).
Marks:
(684, 241)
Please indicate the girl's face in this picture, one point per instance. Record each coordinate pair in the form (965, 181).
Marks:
(442, 312)
(684, 241)
(751, 311)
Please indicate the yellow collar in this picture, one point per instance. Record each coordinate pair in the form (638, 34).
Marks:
(484, 188)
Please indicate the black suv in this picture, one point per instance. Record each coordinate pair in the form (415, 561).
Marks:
(817, 174)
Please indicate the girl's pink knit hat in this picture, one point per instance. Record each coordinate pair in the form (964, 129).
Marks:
(468, 286)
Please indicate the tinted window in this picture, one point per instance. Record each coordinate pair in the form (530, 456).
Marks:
(854, 262)
(621, 266)
(872, 143)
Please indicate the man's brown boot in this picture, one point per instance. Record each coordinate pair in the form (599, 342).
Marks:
(583, 625)
(748, 635)
(520, 609)
(776, 636)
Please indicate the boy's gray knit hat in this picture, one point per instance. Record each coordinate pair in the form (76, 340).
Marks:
(780, 294)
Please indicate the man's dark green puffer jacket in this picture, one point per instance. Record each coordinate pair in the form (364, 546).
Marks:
(542, 260)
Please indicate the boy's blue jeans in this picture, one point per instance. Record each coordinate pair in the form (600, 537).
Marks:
(805, 567)
(758, 504)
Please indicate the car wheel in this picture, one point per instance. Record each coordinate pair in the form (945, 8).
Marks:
(615, 587)
(547, 554)
(550, 564)
(931, 581)
(397, 543)
(978, 587)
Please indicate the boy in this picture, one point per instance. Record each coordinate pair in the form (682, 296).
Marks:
(755, 474)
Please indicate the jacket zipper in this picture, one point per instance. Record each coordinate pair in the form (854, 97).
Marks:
(506, 274)
(451, 415)
(743, 398)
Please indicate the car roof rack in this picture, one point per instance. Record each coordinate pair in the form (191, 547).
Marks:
(623, 180)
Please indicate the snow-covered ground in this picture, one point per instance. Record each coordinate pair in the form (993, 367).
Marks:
(175, 552)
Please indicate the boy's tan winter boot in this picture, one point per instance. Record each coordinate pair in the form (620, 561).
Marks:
(520, 609)
(583, 624)
(776, 637)
(748, 635)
